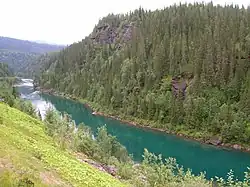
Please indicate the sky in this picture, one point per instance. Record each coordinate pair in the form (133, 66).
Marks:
(68, 21)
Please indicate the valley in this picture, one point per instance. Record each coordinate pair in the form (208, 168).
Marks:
(147, 99)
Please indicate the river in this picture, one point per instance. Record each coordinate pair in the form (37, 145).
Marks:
(191, 154)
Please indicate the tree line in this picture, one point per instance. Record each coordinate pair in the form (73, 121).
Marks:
(204, 47)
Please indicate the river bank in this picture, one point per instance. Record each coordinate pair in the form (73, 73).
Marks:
(141, 123)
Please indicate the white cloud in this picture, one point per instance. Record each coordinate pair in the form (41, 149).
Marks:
(67, 21)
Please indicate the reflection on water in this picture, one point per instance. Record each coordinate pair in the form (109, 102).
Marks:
(27, 92)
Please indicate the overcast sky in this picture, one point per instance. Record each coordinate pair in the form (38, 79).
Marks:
(68, 21)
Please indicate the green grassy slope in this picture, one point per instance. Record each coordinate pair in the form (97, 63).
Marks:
(25, 149)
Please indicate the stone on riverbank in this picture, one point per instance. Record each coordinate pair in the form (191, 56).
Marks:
(214, 141)
(236, 146)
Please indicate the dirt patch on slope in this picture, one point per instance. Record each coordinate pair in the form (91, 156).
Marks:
(5, 164)
(52, 179)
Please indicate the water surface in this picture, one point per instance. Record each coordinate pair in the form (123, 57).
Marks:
(190, 154)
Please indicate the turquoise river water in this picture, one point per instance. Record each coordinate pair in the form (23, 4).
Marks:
(191, 154)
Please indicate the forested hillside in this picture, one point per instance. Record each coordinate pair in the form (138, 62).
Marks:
(184, 69)
(5, 71)
(21, 55)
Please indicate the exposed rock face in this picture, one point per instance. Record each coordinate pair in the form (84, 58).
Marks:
(112, 170)
(106, 34)
(179, 87)
(180, 84)
(127, 32)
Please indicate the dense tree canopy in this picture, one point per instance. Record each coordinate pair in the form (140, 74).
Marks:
(185, 67)
(5, 71)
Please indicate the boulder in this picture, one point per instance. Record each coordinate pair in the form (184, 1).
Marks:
(236, 146)
(214, 141)
(112, 170)
(135, 166)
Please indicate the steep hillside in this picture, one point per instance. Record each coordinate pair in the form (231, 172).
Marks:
(29, 155)
(21, 55)
(183, 69)
(19, 62)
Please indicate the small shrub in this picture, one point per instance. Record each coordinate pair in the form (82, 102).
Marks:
(126, 171)
(26, 182)
(25, 106)
(37, 155)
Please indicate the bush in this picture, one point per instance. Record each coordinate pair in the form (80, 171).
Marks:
(51, 121)
(110, 146)
(25, 106)
(126, 171)
(88, 146)
(7, 98)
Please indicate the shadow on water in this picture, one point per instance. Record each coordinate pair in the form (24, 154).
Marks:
(190, 154)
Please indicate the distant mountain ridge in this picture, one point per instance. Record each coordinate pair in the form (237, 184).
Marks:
(13, 44)
(21, 55)
(46, 42)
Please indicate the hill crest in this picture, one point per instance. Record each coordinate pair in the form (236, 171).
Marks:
(13, 44)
